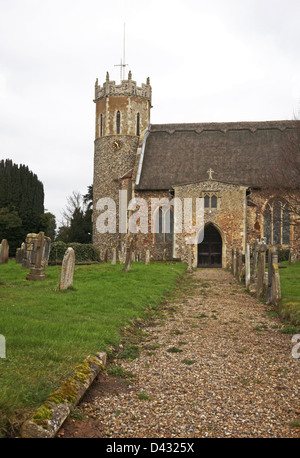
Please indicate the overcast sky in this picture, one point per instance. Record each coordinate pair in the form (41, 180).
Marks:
(216, 60)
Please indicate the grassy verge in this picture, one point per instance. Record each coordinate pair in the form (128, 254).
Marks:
(48, 332)
(289, 306)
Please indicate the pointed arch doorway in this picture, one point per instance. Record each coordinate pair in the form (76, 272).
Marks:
(210, 249)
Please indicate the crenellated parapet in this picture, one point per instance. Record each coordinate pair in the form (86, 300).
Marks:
(126, 88)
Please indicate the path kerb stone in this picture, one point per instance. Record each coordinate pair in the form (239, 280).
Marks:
(49, 418)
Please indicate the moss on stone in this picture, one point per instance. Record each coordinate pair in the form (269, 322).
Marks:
(43, 414)
(67, 392)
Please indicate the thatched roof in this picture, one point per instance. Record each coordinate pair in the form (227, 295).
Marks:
(241, 152)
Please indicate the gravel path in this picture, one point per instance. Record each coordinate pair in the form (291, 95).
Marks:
(215, 365)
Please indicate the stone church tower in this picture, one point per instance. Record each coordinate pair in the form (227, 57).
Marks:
(122, 117)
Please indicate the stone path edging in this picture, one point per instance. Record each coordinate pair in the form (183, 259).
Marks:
(58, 412)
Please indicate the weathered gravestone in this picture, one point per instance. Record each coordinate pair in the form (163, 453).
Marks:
(247, 266)
(261, 264)
(20, 254)
(292, 256)
(255, 258)
(239, 265)
(122, 253)
(273, 291)
(4, 252)
(190, 259)
(128, 257)
(147, 260)
(37, 255)
(31, 248)
(233, 265)
(276, 291)
(271, 255)
(114, 256)
(67, 269)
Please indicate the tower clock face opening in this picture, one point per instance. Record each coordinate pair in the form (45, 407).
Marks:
(117, 144)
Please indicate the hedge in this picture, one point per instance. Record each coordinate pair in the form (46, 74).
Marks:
(84, 253)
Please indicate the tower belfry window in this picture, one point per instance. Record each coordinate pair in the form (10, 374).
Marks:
(138, 124)
(118, 122)
(101, 125)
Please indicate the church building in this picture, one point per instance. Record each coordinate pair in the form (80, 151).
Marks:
(221, 166)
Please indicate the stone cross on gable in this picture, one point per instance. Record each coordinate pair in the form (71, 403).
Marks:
(210, 172)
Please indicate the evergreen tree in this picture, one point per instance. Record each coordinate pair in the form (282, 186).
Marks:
(48, 225)
(21, 202)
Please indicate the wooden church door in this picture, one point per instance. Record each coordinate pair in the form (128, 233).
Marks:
(210, 249)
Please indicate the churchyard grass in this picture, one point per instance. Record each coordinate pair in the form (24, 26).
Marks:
(48, 331)
(290, 292)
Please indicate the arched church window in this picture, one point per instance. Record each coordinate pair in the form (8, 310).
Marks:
(164, 225)
(213, 201)
(285, 225)
(277, 223)
(206, 201)
(138, 124)
(118, 122)
(210, 201)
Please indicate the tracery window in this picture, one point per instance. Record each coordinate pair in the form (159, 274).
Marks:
(210, 201)
(277, 223)
(164, 225)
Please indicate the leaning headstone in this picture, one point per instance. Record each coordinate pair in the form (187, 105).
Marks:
(190, 260)
(4, 252)
(114, 256)
(255, 258)
(234, 261)
(239, 266)
(67, 269)
(147, 260)
(276, 291)
(247, 266)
